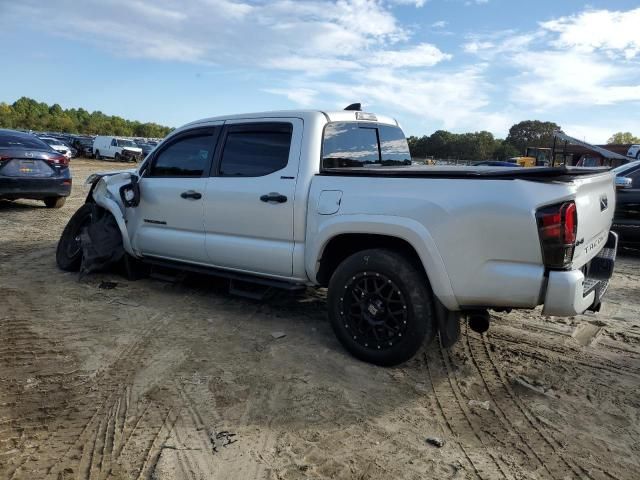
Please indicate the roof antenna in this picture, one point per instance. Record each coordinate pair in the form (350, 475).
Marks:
(355, 106)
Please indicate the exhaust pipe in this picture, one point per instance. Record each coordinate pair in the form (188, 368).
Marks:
(478, 321)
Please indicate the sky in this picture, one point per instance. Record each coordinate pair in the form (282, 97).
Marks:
(458, 65)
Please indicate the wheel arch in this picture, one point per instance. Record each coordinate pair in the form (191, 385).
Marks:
(344, 235)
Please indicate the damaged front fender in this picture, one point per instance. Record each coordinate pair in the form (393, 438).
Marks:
(105, 193)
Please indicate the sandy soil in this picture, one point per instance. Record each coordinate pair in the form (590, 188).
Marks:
(160, 380)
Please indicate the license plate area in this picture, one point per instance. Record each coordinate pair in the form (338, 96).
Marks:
(27, 168)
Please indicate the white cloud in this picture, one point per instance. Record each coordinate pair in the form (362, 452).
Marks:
(304, 97)
(553, 79)
(416, 3)
(219, 31)
(422, 55)
(439, 24)
(615, 32)
(580, 60)
(501, 42)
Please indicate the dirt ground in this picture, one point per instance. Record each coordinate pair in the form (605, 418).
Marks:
(161, 380)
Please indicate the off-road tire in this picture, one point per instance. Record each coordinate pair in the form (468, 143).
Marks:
(414, 293)
(54, 202)
(69, 252)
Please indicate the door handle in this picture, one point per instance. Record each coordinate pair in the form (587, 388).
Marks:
(273, 197)
(191, 194)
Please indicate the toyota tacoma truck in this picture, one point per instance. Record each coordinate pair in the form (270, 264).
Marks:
(331, 199)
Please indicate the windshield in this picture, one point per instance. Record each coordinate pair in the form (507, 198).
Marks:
(52, 141)
(126, 143)
(624, 168)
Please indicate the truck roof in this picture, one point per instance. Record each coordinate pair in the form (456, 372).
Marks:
(329, 116)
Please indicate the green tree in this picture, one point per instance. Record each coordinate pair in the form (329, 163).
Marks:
(623, 138)
(503, 150)
(531, 133)
(29, 114)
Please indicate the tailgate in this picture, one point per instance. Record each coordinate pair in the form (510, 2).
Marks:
(595, 202)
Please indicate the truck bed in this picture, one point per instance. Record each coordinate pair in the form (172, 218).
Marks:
(560, 174)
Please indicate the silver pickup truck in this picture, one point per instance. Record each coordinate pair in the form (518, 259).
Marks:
(331, 199)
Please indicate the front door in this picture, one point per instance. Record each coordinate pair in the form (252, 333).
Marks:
(168, 222)
(248, 214)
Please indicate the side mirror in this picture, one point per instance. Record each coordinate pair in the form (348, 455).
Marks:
(130, 193)
(623, 183)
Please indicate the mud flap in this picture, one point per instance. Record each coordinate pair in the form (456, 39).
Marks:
(101, 243)
(448, 324)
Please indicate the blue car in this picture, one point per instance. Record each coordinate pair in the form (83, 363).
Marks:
(29, 168)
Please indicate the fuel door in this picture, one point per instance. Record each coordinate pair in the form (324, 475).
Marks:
(329, 202)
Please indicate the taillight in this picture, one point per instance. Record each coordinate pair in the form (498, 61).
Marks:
(60, 160)
(557, 227)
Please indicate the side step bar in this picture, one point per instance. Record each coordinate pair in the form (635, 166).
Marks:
(237, 278)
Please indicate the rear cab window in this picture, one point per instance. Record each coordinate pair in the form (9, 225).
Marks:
(364, 144)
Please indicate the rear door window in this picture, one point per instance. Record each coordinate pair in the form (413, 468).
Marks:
(255, 150)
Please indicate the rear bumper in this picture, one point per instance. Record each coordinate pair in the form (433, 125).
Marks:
(13, 188)
(573, 292)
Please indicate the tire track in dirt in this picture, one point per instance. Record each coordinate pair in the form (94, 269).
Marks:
(100, 430)
(554, 449)
(458, 421)
(504, 398)
(538, 428)
(521, 344)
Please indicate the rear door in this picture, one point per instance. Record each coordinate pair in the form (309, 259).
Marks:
(248, 214)
(168, 222)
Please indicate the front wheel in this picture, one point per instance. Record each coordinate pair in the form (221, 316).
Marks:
(380, 307)
(69, 251)
(116, 157)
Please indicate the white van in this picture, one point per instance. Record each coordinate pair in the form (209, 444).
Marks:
(120, 149)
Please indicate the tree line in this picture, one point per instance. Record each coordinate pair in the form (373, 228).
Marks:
(26, 113)
(484, 146)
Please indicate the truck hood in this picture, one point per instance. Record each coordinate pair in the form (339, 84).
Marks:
(94, 177)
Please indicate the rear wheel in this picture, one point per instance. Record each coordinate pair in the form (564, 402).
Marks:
(69, 251)
(380, 307)
(98, 157)
(54, 202)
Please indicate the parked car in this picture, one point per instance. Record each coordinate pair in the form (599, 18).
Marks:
(626, 221)
(30, 168)
(84, 146)
(58, 146)
(297, 199)
(634, 152)
(120, 149)
(146, 148)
